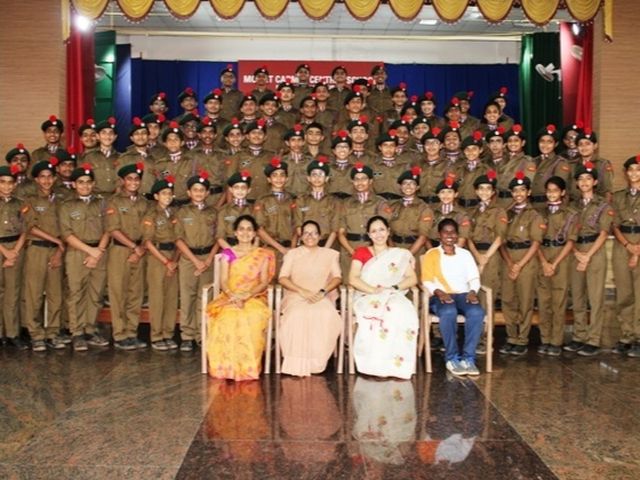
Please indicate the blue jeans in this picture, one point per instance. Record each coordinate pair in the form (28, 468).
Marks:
(448, 312)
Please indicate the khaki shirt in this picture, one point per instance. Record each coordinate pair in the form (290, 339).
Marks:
(43, 213)
(593, 218)
(324, 212)
(196, 227)
(276, 216)
(385, 179)
(562, 226)
(487, 225)
(550, 166)
(226, 217)
(411, 220)
(105, 170)
(458, 214)
(297, 182)
(158, 225)
(12, 221)
(125, 214)
(255, 164)
(85, 220)
(181, 170)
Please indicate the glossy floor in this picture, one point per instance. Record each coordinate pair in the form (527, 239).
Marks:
(107, 414)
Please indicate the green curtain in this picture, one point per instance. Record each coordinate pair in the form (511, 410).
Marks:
(105, 55)
(541, 100)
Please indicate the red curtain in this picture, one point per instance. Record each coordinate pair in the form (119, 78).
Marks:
(577, 73)
(80, 83)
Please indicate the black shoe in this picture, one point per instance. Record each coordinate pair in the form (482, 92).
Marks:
(621, 348)
(573, 346)
(18, 343)
(542, 349)
(38, 346)
(481, 349)
(437, 344)
(506, 348)
(55, 343)
(139, 344)
(553, 351)
(634, 351)
(519, 350)
(589, 351)
(125, 344)
(187, 346)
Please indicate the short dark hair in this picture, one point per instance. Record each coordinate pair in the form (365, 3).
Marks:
(311, 222)
(447, 221)
(247, 218)
(557, 181)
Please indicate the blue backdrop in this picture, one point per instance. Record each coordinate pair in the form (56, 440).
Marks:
(137, 80)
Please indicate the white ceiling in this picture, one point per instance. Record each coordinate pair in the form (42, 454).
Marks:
(339, 23)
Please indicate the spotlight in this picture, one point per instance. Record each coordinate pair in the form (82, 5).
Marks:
(575, 29)
(82, 23)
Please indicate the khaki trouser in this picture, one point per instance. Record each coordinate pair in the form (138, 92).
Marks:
(39, 279)
(191, 297)
(552, 302)
(125, 283)
(86, 288)
(587, 288)
(10, 295)
(627, 294)
(517, 299)
(163, 300)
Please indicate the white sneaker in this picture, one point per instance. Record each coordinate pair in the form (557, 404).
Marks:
(469, 367)
(456, 368)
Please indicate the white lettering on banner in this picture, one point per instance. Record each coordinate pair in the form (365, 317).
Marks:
(313, 79)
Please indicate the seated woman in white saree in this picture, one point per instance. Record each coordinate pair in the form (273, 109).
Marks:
(387, 322)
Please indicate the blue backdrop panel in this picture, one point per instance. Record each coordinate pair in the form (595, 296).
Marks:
(445, 80)
(150, 76)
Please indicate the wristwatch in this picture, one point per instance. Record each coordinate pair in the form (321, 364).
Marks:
(395, 287)
(323, 291)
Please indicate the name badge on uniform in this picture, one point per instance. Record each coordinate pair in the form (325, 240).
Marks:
(187, 220)
(305, 209)
(40, 209)
(272, 209)
(161, 222)
(377, 174)
(123, 209)
(245, 163)
(76, 215)
(230, 218)
(522, 228)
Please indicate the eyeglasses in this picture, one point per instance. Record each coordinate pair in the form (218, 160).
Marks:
(317, 174)
(310, 234)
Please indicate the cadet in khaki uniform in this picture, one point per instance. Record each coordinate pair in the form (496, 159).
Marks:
(516, 161)
(189, 125)
(355, 212)
(386, 168)
(232, 96)
(88, 135)
(434, 167)
(104, 159)
(159, 236)
(297, 160)
(196, 240)
(340, 90)
(411, 218)
(19, 156)
(188, 101)
(522, 241)
(447, 192)
(589, 268)
(488, 230)
(555, 266)
(274, 211)
(359, 133)
(212, 105)
(303, 86)
(317, 205)
(548, 165)
(174, 163)
(52, 130)
(275, 132)
(12, 240)
(239, 185)
(139, 150)
(469, 169)
(43, 260)
(587, 142)
(287, 114)
(81, 226)
(155, 124)
(341, 182)
(126, 262)
(254, 159)
(205, 156)
(626, 252)
(380, 96)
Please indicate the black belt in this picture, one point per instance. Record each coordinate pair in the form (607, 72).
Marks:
(232, 240)
(389, 195)
(553, 243)
(322, 242)
(166, 246)
(214, 190)
(10, 239)
(435, 243)
(539, 198)
(357, 237)
(430, 199)
(468, 203)
(201, 250)
(180, 203)
(409, 239)
(92, 244)
(251, 201)
(285, 243)
(629, 229)
(518, 245)
(482, 246)
(341, 195)
(44, 243)
(588, 238)
(120, 244)
(504, 194)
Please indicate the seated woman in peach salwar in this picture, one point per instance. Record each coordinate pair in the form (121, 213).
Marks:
(238, 317)
(310, 324)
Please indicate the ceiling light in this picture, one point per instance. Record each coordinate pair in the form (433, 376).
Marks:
(428, 21)
(82, 23)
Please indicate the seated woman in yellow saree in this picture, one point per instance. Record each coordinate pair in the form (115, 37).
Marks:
(238, 317)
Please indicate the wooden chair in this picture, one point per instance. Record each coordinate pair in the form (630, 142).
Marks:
(339, 350)
(350, 321)
(211, 291)
(429, 319)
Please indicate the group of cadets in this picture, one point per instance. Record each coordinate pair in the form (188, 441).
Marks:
(151, 219)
